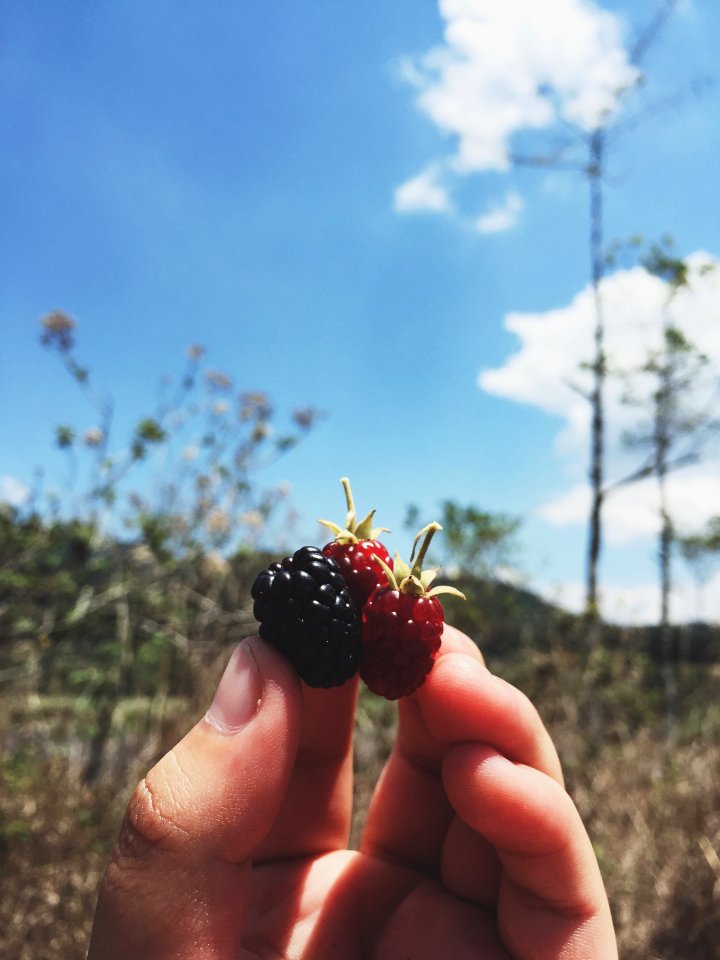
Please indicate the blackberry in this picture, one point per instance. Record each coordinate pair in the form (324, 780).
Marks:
(305, 611)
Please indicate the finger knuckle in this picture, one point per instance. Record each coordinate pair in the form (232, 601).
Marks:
(151, 821)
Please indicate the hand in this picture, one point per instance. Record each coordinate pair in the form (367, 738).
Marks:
(234, 847)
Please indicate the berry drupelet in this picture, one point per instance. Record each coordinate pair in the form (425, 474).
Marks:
(357, 551)
(305, 611)
(402, 626)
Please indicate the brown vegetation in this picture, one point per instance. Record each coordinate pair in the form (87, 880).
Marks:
(652, 807)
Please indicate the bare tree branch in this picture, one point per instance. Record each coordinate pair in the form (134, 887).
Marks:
(649, 468)
(652, 31)
(553, 161)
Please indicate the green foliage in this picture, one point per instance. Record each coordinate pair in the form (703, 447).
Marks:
(110, 653)
(111, 643)
(701, 551)
(660, 261)
(64, 436)
(472, 540)
(17, 767)
(707, 542)
(16, 830)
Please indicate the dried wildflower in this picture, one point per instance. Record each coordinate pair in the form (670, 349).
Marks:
(305, 417)
(178, 525)
(218, 522)
(217, 380)
(220, 407)
(58, 330)
(255, 405)
(252, 518)
(141, 555)
(93, 437)
(213, 565)
(195, 351)
(260, 432)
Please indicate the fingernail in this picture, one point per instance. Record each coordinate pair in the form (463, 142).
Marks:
(239, 693)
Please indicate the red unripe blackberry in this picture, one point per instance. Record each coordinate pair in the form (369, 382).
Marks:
(401, 634)
(357, 552)
(305, 611)
(402, 624)
(359, 566)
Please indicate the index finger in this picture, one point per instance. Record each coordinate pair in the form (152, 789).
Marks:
(316, 812)
(409, 813)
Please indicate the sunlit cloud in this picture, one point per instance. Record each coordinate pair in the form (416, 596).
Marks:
(640, 604)
(13, 491)
(513, 67)
(548, 372)
(631, 513)
(423, 193)
(501, 216)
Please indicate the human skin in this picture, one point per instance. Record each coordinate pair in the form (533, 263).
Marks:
(234, 847)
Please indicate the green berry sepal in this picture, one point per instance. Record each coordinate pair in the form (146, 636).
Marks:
(414, 581)
(354, 531)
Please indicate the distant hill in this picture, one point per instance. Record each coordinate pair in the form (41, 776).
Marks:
(504, 619)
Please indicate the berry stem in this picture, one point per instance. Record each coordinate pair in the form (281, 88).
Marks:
(351, 515)
(428, 533)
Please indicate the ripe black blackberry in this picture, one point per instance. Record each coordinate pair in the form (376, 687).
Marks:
(305, 611)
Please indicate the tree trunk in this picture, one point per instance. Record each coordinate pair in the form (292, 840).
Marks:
(597, 428)
(665, 545)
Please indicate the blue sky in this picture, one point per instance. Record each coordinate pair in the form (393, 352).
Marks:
(230, 173)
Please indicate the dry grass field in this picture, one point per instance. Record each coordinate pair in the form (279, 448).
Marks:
(652, 805)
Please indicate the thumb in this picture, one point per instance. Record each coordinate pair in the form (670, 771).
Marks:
(178, 881)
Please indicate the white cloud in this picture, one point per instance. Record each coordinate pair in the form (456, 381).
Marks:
(626, 605)
(631, 513)
(640, 604)
(423, 193)
(515, 66)
(13, 491)
(546, 373)
(502, 216)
